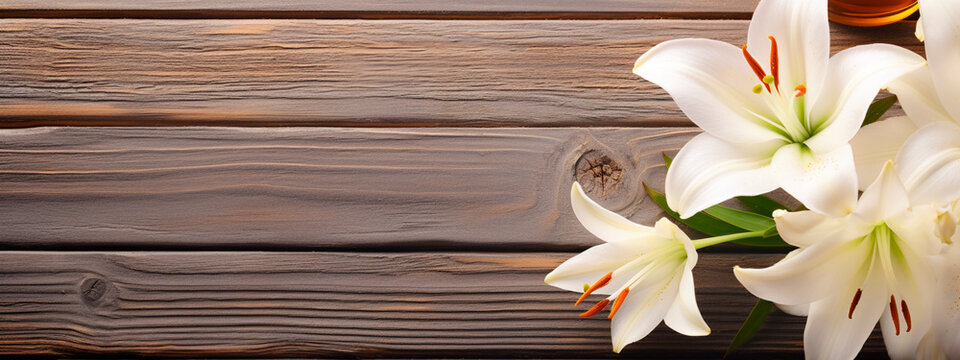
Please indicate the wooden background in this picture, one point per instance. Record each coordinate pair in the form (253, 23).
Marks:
(334, 178)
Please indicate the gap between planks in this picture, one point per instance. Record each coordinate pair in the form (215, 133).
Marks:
(344, 304)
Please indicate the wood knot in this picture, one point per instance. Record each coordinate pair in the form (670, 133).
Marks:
(93, 290)
(598, 173)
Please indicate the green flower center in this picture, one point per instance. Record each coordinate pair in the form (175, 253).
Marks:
(889, 247)
(788, 116)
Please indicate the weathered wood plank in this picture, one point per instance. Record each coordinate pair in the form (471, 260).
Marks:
(348, 72)
(494, 8)
(343, 304)
(322, 188)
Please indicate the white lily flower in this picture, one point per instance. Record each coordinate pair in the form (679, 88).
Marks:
(940, 32)
(928, 96)
(931, 157)
(927, 159)
(651, 264)
(945, 332)
(929, 349)
(943, 339)
(784, 125)
(856, 270)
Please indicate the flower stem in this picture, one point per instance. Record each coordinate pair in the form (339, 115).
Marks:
(710, 241)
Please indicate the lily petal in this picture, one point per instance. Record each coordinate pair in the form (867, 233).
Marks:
(941, 33)
(806, 228)
(824, 182)
(918, 97)
(684, 315)
(929, 164)
(812, 274)
(884, 198)
(708, 171)
(832, 331)
(795, 310)
(610, 226)
(914, 284)
(878, 143)
(929, 349)
(711, 82)
(946, 326)
(645, 307)
(803, 39)
(919, 31)
(591, 265)
(919, 229)
(856, 75)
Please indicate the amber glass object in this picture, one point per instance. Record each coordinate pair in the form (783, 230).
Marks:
(870, 12)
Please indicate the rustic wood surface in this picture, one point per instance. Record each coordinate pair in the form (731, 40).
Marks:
(325, 188)
(430, 240)
(348, 72)
(506, 9)
(343, 304)
(720, 6)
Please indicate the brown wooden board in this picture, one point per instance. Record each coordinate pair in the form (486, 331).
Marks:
(349, 72)
(321, 188)
(395, 5)
(508, 9)
(344, 304)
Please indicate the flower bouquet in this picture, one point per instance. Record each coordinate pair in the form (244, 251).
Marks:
(780, 112)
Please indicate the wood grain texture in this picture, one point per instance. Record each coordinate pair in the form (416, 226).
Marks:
(320, 188)
(299, 8)
(344, 304)
(348, 72)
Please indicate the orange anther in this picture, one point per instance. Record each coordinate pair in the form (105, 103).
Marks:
(755, 66)
(894, 315)
(618, 302)
(774, 62)
(596, 308)
(853, 305)
(906, 314)
(801, 90)
(599, 284)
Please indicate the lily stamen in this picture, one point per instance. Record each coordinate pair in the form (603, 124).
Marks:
(774, 62)
(618, 302)
(755, 66)
(906, 314)
(599, 284)
(894, 314)
(853, 304)
(596, 308)
(800, 90)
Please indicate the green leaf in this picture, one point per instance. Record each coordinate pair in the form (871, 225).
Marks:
(771, 232)
(713, 226)
(742, 219)
(877, 109)
(667, 160)
(761, 204)
(750, 325)
(700, 221)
